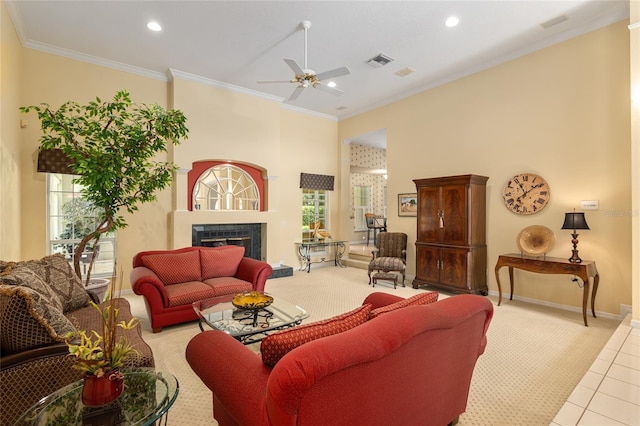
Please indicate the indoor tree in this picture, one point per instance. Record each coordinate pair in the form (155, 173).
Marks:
(111, 146)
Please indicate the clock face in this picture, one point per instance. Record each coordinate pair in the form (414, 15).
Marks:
(526, 193)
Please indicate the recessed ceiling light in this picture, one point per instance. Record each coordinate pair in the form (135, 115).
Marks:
(451, 21)
(154, 26)
(331, 84)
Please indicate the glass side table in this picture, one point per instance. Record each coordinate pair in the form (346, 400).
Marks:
(147, 396)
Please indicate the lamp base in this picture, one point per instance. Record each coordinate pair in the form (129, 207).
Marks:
(574, 253)
(574, 257)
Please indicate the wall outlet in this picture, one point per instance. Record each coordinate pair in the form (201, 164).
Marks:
(589, 204)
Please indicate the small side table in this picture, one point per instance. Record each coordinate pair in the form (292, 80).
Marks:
(147, 396)
(552, 265)
(387, 276)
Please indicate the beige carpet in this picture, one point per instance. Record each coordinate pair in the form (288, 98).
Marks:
(534, 358)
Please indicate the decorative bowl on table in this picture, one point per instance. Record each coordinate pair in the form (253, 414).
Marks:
(536, 240)
(251, 300)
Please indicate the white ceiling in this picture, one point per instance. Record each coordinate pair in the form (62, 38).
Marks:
(236, 43)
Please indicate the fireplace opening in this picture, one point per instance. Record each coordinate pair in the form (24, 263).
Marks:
(247, 235)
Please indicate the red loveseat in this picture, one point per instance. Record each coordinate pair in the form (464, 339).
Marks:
(171, 280)
(408, 366)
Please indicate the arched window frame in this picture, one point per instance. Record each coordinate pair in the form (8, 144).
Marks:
(200, 167)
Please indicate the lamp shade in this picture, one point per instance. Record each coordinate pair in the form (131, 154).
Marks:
(574, 220)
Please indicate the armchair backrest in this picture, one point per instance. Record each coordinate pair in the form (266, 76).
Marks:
(392, 244)
(384, 370)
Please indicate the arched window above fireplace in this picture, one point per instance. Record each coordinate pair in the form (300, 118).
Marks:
(225, 186)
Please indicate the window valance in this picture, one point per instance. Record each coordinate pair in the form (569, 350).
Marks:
(54, 161)
(311, 181)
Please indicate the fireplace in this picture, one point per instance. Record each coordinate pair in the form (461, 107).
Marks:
(247, 235)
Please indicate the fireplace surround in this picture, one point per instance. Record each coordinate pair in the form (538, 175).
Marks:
(248, 235)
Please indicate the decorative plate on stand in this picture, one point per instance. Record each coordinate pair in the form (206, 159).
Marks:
(536, 240)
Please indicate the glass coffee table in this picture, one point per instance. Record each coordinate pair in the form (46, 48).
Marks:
(147, 396)
(247, 325)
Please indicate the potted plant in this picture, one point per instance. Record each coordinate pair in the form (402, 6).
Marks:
(111, 146)
(100, 354)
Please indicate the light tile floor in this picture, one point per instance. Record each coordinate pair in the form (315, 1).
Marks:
(609, 394)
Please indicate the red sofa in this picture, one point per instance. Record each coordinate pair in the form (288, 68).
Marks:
(171, 280)
(409, 366)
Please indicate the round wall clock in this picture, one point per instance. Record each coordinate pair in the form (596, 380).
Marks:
(526, 193)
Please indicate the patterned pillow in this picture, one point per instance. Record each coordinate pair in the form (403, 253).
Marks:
(58, 274)
(174, 268)
(277, 345)
(220, 261)
(22, 276)
(29, 319)
(418, 299)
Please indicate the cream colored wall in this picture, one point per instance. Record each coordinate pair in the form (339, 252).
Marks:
(563, 113)
(635, 157)
(55, 80)
(10, 86)
(226, 125)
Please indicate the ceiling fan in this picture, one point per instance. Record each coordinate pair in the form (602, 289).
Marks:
(306, 77)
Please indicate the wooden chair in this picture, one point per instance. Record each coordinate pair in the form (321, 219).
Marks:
(372, 224)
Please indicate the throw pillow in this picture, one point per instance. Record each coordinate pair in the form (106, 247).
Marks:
(277, 345)
(29, 319)
(220, 261)
(174, 268)
(58, 274)
(25, 277)
(418, 299)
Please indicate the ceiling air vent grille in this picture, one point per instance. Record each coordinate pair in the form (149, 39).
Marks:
(379, 60)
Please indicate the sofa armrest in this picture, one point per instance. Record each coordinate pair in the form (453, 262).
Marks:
(146, 283)
(254, 271)
(235, 375)
(379, 299)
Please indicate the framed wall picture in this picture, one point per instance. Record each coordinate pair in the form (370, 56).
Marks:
(407, 204)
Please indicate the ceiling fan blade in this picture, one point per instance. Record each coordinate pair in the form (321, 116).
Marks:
(275, 81)
(298, 90)
(325, 88)
(338, 72)
(294, 66)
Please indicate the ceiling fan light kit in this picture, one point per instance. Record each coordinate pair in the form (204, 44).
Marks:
(306, 77)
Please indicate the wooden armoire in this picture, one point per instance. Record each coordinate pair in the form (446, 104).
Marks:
(451, 248)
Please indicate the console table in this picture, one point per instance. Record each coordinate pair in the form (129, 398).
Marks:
(307, 249)
(552, 265)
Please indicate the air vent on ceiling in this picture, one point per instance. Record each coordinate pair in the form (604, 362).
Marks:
(379, 61)
(341, 108)
(554, 21)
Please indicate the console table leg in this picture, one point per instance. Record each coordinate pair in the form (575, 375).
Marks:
(511, 281)
(596, 281)
(497, 269)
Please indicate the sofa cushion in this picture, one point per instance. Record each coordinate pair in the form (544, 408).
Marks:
(220, 261)
(29, 319)
(174, 268)
(277, 345)
(25, 277)
(188, 292)
(418, 299)
(228, 285)
(56, 272)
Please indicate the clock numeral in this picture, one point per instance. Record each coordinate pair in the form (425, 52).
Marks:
(525, 178)
(510, 201)
(540, 200)
(524, 209)
(544, 192)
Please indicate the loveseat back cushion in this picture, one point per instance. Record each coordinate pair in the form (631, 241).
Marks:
(174, 268)
(25, 277)
(220, 261)
(418, 299)
(29, 319)
(277, 345)
(58, 274)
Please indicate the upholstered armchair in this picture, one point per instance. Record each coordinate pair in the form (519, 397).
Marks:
(390, 254)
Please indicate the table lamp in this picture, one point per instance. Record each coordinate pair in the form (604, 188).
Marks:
(575, 220)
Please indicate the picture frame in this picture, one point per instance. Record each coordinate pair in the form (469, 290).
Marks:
(408, 204)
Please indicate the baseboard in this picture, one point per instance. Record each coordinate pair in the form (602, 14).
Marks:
(505, 296)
